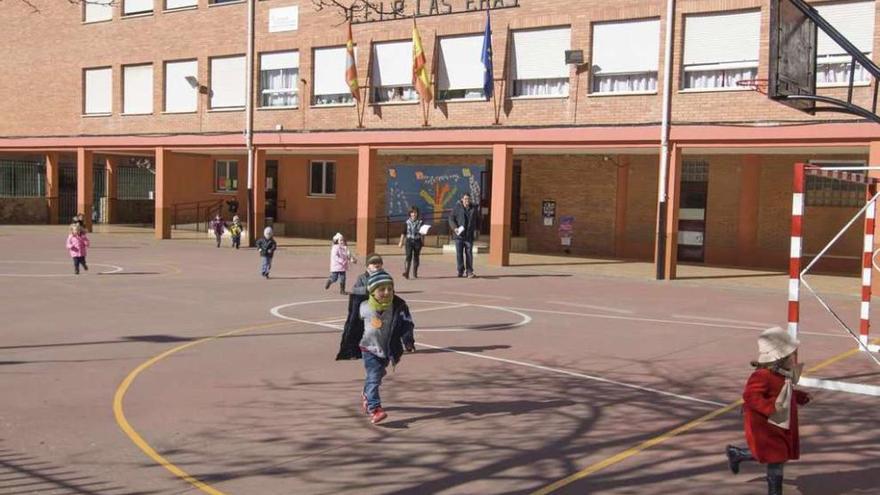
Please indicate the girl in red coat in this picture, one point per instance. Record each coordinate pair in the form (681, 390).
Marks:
(770, 415)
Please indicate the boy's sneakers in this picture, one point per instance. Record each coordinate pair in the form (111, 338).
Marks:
(378, 415)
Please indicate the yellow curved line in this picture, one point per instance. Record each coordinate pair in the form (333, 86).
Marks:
(136, 438)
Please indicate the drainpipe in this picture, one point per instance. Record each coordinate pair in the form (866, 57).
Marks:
(662, 189)
(249, 124)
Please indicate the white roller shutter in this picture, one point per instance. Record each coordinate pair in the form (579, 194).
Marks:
(136, 6)
(855, 21)
(392, 63)
(99, 10)
(99, 90)
(626, 47)
(279, 60)
(461, 65)
(540, 53)
(137, 85)
(329, 66)
(180, 96)
(722, 38)
(179, 4)
(227, 82)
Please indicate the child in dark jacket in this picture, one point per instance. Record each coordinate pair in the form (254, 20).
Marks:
(770, 408)
(266, 245)
(379, 333)
(218, 226)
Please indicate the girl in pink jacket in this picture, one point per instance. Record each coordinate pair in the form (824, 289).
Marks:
(340, 258)
(77, 243)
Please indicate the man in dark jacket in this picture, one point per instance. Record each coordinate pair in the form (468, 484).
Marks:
(463, 222)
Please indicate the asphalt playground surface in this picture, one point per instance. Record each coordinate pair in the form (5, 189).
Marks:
(172, 367)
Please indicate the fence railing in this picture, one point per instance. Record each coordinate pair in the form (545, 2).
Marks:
(195, 212)
(22, 179)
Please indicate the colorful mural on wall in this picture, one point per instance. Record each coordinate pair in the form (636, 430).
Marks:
(430, 188)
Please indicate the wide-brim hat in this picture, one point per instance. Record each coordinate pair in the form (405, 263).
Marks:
(775, 344)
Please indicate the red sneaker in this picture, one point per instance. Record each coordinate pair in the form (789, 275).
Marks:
(378, 415)
(364, 409)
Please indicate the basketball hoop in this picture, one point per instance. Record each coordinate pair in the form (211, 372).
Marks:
(759, 85)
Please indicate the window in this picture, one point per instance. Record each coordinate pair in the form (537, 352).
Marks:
(97, 11)
(98, 91)
(279, 75)
(228, 82)
(392, 75)
(133, 7)
(134, 183)
(23, 179)
(226, 175)
(180, 4)
(721, 49)
(180, 95)
(538, 64)
(625, 56)
(330, 87)
(137, 89)
(322, 179)
(215, 2)
(461, 68)
(856, 22)
(823, 191)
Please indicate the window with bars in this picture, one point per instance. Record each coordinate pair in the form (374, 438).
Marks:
(134, 183)
(322, 178)
(824, 191)
(22, 179)
(695, 171)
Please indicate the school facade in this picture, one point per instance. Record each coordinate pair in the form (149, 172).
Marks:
(149, 96)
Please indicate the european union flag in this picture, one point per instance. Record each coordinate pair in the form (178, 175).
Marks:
(488, 82)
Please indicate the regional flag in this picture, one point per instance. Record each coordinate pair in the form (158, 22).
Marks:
(486, 59)
(351, 71)
(421, 78)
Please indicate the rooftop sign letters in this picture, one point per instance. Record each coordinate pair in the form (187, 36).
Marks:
(389, 10)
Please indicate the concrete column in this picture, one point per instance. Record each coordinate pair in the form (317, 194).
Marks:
(84, 185)
(502, 203)
(749, 197)
(259, 191)
(112, 179)
(163, 195)
(366, 200)
(620, 208)
(673, 201)
(53, 192)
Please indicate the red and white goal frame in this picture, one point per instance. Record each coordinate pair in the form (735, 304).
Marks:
(856, 174)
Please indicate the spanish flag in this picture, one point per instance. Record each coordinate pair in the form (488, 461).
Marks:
(421, 78)
(351, 71)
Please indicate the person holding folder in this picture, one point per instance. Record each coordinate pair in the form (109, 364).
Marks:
(411, 239)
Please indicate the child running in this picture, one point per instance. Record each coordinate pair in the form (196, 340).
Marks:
(266, 245)
(340, 258)
(77, 245)
(235, 231)
(770, 416)
(218, 226)
(374, 264)
(379, 333)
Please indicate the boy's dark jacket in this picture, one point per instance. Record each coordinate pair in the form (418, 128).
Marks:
(266, 246)
(401, 330)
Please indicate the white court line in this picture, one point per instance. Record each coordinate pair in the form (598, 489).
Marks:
(476, 295)
(588, 306)
(763, 326)
(115, 269)
(276, 312)
(335, 320)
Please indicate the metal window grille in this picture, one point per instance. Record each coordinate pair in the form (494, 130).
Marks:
(134, 183)
(22, 179)
(695, 171)
(824, 191)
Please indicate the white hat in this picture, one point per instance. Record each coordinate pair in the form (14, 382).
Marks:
(775, 344)
(338, 237)
(267, 232)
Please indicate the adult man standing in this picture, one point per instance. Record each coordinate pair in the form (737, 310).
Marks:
(463, 221)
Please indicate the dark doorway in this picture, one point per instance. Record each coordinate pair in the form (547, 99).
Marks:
(271, 191)
(692, 211)
(516, 199)
(66, 193)
(99, 192)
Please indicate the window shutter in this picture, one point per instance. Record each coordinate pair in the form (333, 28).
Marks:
(720, 38)
(540, 53)
(99, 10)
(392, 63)
(279, 60)
(179, 95)
(329, 69)
(855, 21)
(137, 6)
(99, 90)
(177, 4)
(461, 65)
(626, 47)
(137, 85)
(227, 82)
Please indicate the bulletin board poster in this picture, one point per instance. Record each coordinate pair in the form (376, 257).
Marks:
(548, 211)
(430, 188)
(566, 229)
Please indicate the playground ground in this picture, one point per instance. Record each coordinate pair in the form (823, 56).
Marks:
(172, 367)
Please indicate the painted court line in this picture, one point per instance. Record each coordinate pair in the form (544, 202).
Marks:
(485, 296)
(637, 318)
(589, 306)
(115, 269)
(759, 325)
(440, 308)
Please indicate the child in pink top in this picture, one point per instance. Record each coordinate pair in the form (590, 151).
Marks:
(340, 258)
(77, 244)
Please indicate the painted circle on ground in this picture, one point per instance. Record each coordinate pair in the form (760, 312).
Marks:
(114, 269)
(524, 318)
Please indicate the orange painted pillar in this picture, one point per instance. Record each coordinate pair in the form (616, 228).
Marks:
(84, 185)
(163, 196)
(52, 189)
(874, 161)
(259, 191)
(747, 225)
(620, 208)
(502, 204)
(112, 179)
(366, 200)
(673, 201)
